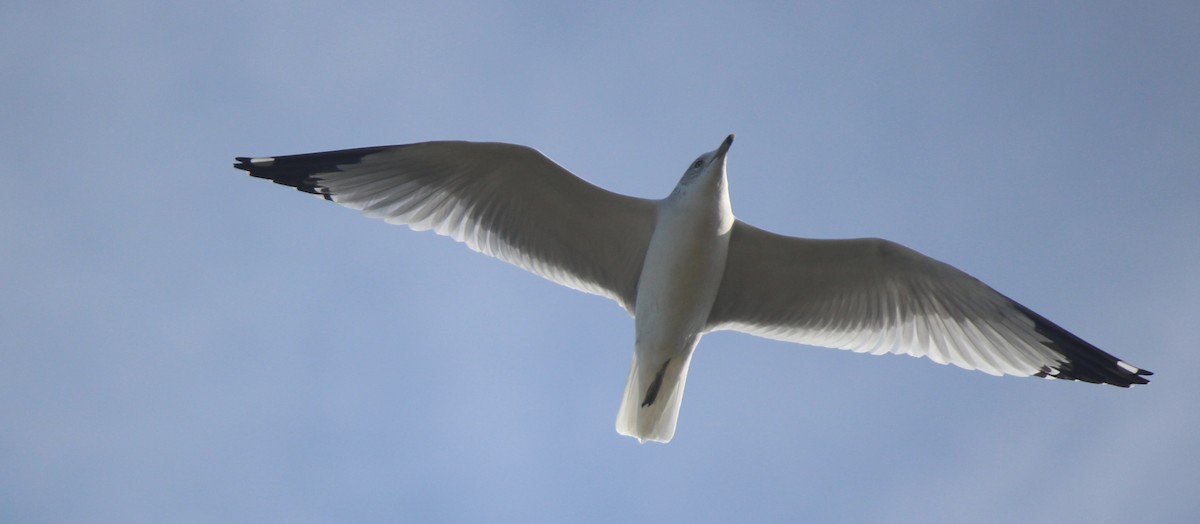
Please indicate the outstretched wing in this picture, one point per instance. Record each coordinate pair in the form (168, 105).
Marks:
(875, 296)
(504, 200)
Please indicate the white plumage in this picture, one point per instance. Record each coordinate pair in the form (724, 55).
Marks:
(684, 266)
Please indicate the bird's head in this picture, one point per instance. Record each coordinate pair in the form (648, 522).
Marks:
(708, 167)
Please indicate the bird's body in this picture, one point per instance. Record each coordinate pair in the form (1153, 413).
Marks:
(676, 290)
(684, 266)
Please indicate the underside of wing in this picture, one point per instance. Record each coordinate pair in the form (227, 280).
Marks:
(504, 200)
(875, 296)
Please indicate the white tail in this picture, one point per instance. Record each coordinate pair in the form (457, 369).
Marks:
(652, 398)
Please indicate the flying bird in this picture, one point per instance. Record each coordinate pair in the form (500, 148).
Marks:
(684, 266)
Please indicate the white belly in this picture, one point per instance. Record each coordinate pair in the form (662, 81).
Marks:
(679, 283)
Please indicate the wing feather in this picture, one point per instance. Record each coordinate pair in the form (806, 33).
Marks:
(876, 296)
(507, 201)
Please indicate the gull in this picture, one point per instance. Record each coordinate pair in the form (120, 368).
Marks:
(684, 266)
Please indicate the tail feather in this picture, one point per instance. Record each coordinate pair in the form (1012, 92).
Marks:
(652, 398)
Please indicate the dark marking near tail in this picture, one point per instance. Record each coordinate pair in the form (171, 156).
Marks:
(652, 391)
(1084, 362)
(303, 172)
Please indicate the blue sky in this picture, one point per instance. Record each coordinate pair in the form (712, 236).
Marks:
(185, 343)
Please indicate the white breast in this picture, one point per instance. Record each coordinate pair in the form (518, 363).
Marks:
(681, 273)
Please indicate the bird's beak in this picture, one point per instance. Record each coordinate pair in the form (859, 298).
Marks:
(725, 146)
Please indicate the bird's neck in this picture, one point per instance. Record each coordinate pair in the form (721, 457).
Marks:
(705, 202)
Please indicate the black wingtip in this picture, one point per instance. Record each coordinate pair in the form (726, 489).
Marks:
(243, 163)
(1084, 362)
(303, 172)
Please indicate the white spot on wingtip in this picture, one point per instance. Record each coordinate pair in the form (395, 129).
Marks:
(1127, 367)
(265, 161)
